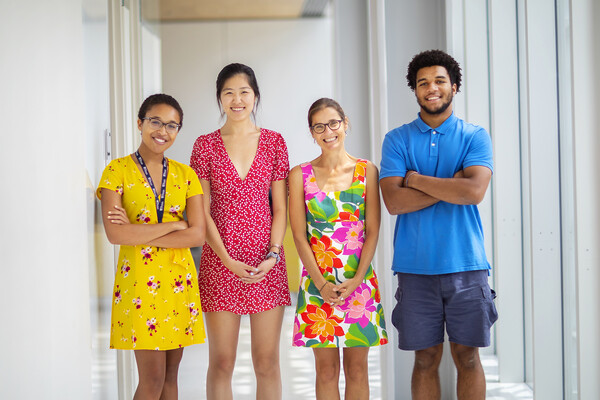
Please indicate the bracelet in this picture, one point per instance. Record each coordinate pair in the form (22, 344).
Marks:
(326, 282)
(274, 255)
(277, 246)
(411, 173)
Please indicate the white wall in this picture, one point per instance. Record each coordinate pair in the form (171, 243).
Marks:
(292, 59)
(45, 292)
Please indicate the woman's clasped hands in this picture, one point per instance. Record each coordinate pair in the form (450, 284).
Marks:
(248, 274)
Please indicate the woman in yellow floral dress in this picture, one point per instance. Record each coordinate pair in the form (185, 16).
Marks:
(156, 304)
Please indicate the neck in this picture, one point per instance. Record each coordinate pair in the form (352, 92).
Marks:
(149, 156)
(334, 159)
(435, 120)
(239, 127)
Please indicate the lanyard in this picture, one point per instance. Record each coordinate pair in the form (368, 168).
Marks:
(160, 202)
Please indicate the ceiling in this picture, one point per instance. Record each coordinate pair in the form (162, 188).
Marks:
(206, 10)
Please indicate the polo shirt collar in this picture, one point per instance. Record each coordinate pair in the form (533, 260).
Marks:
(443, 128)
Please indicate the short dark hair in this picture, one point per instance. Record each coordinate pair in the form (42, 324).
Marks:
(431, 58)
(160, 98)
(231, 70)
(322, 103)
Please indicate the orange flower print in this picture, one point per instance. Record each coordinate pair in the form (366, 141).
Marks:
(347, 216)
(325, 254)
(375, 284)
(322, 323)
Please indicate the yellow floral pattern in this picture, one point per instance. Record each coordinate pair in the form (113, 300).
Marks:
(156, 303)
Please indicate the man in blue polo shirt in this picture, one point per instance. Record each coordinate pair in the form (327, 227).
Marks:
(434, 172)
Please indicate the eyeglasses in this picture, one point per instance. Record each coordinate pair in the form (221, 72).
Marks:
(157, 124)
(333, 125)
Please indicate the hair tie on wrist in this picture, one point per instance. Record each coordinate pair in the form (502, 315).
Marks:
(326, 282)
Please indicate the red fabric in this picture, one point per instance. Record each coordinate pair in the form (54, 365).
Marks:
(240, 209)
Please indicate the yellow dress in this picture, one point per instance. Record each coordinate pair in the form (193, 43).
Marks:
(155, 303)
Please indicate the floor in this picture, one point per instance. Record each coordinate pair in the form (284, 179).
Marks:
(297, 366)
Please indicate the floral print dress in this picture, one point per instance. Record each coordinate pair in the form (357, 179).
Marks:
(336, 233)
(155, 302)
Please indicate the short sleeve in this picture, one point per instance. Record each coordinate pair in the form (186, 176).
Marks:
(112, 178)
(200, 158)
(193, 183)
(480, 151)
(393, 162)
(281, 162)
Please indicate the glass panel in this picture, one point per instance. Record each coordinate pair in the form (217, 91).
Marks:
(567, 174)
(97, 145)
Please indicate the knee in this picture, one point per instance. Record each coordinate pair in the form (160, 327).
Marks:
(465, 357)
(356, 372)
(327, 371)
(428, 359)
(266, 365)
(222, 364)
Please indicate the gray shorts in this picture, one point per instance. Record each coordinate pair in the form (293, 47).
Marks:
(461, 302)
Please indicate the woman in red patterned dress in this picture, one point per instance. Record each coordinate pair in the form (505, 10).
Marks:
(242, 268)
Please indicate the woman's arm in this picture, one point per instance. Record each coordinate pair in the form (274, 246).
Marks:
(279, 197)
(194, 235)
(298, 225)
(213, 238)
(372, 222)
(120, 231)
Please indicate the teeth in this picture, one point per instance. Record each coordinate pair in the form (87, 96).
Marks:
(329, 140)
(159, 140)
(237, 108)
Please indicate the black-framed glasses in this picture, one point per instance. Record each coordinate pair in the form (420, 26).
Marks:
(333, 125)
(157, 124)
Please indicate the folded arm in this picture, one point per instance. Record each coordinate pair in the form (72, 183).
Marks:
(466, 187)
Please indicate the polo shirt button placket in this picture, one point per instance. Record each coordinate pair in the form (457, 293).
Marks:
(433, 149)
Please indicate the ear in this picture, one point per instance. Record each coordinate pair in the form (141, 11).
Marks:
(454, 86)
(346, 123)
(140, 122)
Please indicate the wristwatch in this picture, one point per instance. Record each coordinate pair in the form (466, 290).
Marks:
(274, 255)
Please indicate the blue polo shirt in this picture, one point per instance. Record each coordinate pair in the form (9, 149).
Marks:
(442, 238)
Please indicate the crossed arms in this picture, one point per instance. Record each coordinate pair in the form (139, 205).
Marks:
(466, 187)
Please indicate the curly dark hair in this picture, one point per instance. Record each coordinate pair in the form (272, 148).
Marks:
(160, 98)
(430, 58)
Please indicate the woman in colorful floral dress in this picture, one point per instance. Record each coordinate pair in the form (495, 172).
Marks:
(242, 269)
(156, 307)
(335, 217)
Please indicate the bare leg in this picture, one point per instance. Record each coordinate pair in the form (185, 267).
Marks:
(327, 365)
(265, 330)
(356, 370)
(151, 369)
(170, 391)
(223, 330)
(425, 378)
(471, 378)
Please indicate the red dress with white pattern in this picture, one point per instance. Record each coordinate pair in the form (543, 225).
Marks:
(241, 211)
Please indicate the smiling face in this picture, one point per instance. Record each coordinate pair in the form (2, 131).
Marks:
(158, 140)
(329, 139)
(237, 98)
(434, 90)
